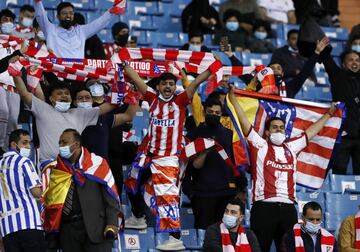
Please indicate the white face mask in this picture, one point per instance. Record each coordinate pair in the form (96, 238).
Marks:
(194, 48)
(96, 89)
(41, 35)
(165, 99)
(84, 105)
(312, 228)
(229, 220)
(65, 152)
(62, 106)
(7, 27)
(27, 22)
(277, 138)
(25, 152)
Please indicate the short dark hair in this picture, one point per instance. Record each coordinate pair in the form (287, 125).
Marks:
(75, 133)
(78, 90)
(16, 134)
(63, 5)
(311, 205)
(231, 13)
(117, 27)
(292, 31)
(268, 122)
(58, 84)
(27, 7)
(209, 102)
(196, 33)
(239, 202)
(346, 53)
(7, 13)
(167, 76)
(79, 18)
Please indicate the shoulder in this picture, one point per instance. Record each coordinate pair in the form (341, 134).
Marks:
(213, 229)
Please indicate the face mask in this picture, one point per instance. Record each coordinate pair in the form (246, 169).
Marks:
(312, 228)
(194, 48)
(277, 138)
(229, 221)
(66, 24)
(121, 40)
(260, 35)
(232, 26)
(96, 89)
(27, 22)
(84, 105)
(355, 48)
(278, 78)
(41, 35)
(212, 120)
(25, 152)
(165, 99)
(7, 27)
(65, 152)
(62, 106)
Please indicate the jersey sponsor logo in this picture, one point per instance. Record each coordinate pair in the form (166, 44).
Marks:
(280, 166)
(163, 122)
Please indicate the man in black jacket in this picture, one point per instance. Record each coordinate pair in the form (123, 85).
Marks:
(209, 180)
(345, 87)
(216, 235)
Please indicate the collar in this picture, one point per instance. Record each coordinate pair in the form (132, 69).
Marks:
(10, 152)
(164, 99)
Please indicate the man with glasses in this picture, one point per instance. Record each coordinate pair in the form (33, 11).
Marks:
(66, 39)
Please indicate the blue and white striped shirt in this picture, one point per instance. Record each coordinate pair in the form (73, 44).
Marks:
(18, 207)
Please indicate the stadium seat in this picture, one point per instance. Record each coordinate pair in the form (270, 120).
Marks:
(142, 23)
(144, 8)
(141, 39)
(334, 33)
(323, 94)
(341, 204)
(308, 93)
(337, 48)
(186, 217)
(167, 24)
(177, 8)
(50, 4)
(105, 36)
(223, 57)
(139, 240)
(278, 31)
(345, 183)
(254, 59)
(322, 78)
(103, 4)
(92, 15)
(305, 197)
(12, 3)
(167, 39)
(84, 4)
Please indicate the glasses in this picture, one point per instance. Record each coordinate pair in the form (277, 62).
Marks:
(67, 13)
(84, 98)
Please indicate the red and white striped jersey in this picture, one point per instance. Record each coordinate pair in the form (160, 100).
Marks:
(166, 122)
(273, 167)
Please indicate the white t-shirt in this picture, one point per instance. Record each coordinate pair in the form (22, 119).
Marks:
(277, 9)
(50, 124)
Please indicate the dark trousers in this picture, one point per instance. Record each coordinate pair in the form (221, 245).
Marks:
(73, 237)
(208, 210)
(270, 221)
(29, 240)
(347, 148)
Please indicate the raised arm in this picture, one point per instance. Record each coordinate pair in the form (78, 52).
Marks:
(191, 89)
(138, 82)
(97, 25)
(244, 122)
(106, 108)
(127, 116)
(41, 17)
(25, 95)
(315, 128)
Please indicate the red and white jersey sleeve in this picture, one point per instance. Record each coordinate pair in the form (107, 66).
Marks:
(274, 167)
(166, 123)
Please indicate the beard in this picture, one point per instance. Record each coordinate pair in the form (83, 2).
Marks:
(66, 24)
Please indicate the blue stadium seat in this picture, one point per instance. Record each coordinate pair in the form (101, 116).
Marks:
(278, 31)
(223, 57)
(345, 183)
(139, 240)
(254, 59)
(336, 33)
(144, 8)
(50, 4)
(167, 39)
(208, 39)
(105, 36)
(304, 197)
(142, 39)
(92, 15)
(201, 236)
(337, 48)
(184, 200)
(140, 122)
(103, 4)
(322, 78)
(308, 93)
(167, 24)
(238, 83)
(13, 3)
(177, 8)
(186, 218)
(84, 4)
(142, 23)
(341, 204)
(190, 239)
(323, 94)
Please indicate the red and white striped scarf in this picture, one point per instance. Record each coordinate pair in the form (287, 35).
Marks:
(357, 230)
(23, 29)
(282, 89)
(327, 240)
(242, 243)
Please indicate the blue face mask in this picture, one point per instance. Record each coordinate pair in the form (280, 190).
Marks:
(194, 48)
(65, 152)
(84, 105)
(260, 35)
(62, 106)
(355, 48)
(229, 221)
(232, 25)
(312, 228)
(7, 27)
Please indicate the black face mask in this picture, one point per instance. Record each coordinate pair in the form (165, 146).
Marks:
(212, 120)
(121, 40)
(278, 79)
(66, 24)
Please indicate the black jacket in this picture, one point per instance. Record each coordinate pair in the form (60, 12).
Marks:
(288, 242)
(345, 87)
